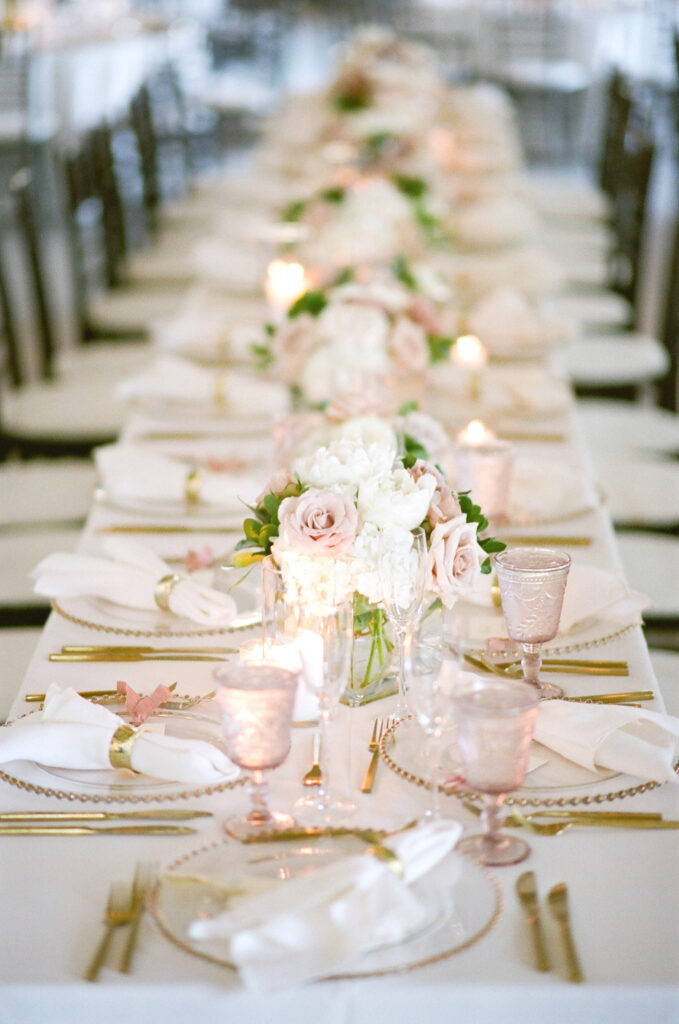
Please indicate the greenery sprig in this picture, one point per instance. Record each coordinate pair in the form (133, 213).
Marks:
(261, 529)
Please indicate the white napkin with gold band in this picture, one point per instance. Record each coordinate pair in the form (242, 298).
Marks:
(507, 323)
(309, 926)
(633, 741)
(131, 472)
(599, 595)
(71, 732)
(131, 576)
(173, 379)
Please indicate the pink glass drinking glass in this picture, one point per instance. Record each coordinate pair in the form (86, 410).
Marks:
(495, 720)
(532, 585)
(256, 703)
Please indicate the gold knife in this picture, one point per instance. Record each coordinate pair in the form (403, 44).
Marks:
(136, 649)
(547, 540)
(91, 830)
(172, 814)
(38, 698)
(526, 890)
(557, 899)
(230, 527)
(108, 656)
(612, 698)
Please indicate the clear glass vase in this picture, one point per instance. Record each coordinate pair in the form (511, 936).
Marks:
(372, 660)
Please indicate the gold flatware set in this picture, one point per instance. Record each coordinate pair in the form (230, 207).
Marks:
(88, 823)
(125, 652)
(380, 726)
(557, 901)
(124, 908)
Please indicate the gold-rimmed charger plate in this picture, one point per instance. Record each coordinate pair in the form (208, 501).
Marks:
(555, 783)
(229, 515)
(119, 786)
(107, 617)
(463, 900)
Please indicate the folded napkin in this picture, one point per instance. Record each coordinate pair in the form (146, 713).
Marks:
(507, 323)
(543, 489)
(596, 594)
(629, 740)
(128, 577)
(71, 732)
(314, 924)
(129, 472)
(172, 379)
(205, 334)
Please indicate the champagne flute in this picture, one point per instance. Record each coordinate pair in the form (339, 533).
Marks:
(403, 583)
(495, 722)
(433, 680)
(325, 643)
(532, 584)
(256, 703)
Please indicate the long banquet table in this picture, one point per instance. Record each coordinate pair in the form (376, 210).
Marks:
(623, 887)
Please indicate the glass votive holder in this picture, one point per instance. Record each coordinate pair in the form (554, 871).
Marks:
(486, 470)
(286, 654)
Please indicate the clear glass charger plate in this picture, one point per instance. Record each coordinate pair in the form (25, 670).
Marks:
(463, 900)
(105, 616)
(113, 786)
(556, 782)
(200, 409)
(564, 494)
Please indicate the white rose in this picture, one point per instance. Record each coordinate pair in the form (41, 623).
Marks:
(454, 559)
(343, 465)
(350, 322)
(321, 579)
(386, 295)
(365, 566)
(395, 499)
(367, 430)
(426, 431)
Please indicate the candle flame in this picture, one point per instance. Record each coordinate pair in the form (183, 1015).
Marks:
(469, 351)
(285, 282)
(476, 432)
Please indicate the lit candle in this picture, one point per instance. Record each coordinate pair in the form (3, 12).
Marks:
(475, 433)
(471, 355)
(304, 654)
(285, 282)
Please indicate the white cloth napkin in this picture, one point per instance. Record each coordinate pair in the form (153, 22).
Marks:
(128, 577)
(130, 472)
(599, 595)
(542, 489)
(173, 379)
(310, 926)
(629, 740)
(71, 732)
(507, 323)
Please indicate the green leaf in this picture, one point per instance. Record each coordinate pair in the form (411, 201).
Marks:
(413, 448)
(263, 356)
(411, 406)
(439, 348)
(410, 186)
(269, 330)
(348, 102)
(402, 272)
(294, 210)
(313, 302)
(246, 558)
(332, 195)
(345, 276)
(245, 543)
(408, 460)
(271, 503)
(251, 528)
(491, 545)
(486, 566)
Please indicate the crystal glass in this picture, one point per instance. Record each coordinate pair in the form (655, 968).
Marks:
(325, 641)
(532, 585)
(486, 470)
(433, 677)
(495, 721)
(402, 582)
(256, 704)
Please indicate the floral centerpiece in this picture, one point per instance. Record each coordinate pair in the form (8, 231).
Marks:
(394, 323)
(326, 518)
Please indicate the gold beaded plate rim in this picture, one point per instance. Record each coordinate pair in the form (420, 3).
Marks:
(104, 627)
(551, 647)
(165, 793)
(471, 864)
(580, 799)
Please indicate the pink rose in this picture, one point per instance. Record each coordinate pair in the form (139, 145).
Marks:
(281, 479)
(319, 519)
(408, 344)
(454, 559)
(423, 312)
(292, 344)
(349, 404)
(444, 504)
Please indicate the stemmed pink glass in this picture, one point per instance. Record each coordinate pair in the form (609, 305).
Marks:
(495, 720)
(257, 703)
(532, 585)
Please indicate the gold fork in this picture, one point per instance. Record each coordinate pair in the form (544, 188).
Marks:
(557, 898)
(119, 911)
(144, 878)
(380, 726)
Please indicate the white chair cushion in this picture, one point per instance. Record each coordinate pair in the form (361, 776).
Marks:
(133, 309)
(18, 646)
(666, 667)
(51, 489)
(64, 410)
(19, 555)
(639, 490)
(651, 564)
(599, 311)
(627, 427)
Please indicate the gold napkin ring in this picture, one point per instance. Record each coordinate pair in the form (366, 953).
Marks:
(120, 747)
(163, 589)
(221, 381)
(192, 486)
(387, 856)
